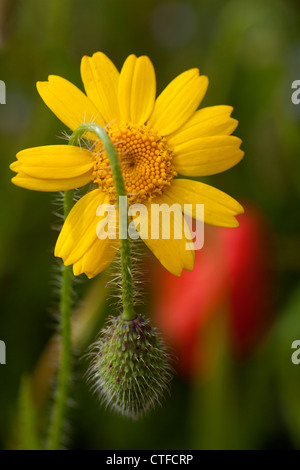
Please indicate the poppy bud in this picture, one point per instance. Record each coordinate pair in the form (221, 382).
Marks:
(131, 368)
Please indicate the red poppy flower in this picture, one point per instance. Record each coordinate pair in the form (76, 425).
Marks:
(231, 277)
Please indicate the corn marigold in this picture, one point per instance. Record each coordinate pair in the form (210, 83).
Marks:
(156, 140)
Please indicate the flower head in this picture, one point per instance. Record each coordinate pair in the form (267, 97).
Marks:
(156, 140)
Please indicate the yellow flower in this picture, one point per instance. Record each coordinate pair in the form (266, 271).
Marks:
(155, 139)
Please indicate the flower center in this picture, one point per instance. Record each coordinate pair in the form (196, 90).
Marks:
(145, 159)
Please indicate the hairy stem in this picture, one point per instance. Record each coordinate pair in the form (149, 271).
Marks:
(126, 272)
(63, 383)
(64, 374)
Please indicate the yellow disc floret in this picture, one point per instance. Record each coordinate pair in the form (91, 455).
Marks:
(145, 159)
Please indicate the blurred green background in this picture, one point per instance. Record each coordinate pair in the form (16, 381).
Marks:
(251, 54)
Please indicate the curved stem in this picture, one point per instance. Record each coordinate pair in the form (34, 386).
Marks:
(126, 274)
(62, 391)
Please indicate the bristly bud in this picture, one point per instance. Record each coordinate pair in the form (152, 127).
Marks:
(131, 367)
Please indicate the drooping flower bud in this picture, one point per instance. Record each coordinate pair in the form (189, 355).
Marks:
(131, 367)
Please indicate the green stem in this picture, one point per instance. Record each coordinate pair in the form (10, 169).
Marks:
(62, 391)
(126, 273)
(64, 374)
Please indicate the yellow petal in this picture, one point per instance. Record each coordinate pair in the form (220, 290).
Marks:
(101, 78)
(172, 252)
(179, 100)
(79, 230)
(25, 181)
(68, 103)
(97, 258)
(211, 121)
(54, 162)
(15, 166)
(207, 155)
(137, 89)
(219, 208)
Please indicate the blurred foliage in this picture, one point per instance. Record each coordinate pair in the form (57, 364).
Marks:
(251, 54)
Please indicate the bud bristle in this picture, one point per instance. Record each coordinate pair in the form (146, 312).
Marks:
(131, 367)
